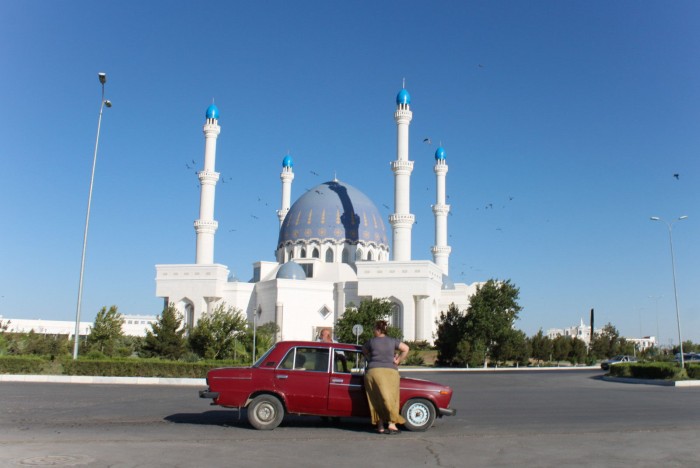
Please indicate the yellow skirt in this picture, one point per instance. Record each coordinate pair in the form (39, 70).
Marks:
(382, 387)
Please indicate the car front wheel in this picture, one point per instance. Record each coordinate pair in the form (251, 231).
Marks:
(265, 412)
(419, 414)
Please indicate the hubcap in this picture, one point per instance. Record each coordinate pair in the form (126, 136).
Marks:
(266, 412)
(418, 414)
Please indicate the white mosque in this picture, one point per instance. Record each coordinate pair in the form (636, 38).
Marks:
(332, 251)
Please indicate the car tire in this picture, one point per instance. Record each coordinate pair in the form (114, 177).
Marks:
(265, 412)
(419, 414)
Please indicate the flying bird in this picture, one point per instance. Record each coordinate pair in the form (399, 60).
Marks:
(253, 216)
(677, 176)
(314, 173)
(427, 141)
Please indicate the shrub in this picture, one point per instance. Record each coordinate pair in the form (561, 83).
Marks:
(421, 345)
(23, 365)
(140, 368)
(648, 370)
(414, 359)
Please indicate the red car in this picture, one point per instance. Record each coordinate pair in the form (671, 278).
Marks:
(314, 378)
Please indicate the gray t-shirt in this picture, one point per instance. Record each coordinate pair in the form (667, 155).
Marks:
(380, 351)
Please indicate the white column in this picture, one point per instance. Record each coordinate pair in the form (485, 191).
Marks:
(422, 320)
(441, 251)
(402, 220)
(287, 176)
(206, 226)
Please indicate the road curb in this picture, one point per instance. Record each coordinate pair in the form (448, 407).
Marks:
(661, 383)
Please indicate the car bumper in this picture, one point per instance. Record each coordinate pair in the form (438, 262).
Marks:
(209, 395)
(447, 412)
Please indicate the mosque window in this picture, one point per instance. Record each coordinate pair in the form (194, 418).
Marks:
(329, 256)
(303, 253)
(369, 256)
(345, 255)
(395, 317)
(358, 254)
(316, 253)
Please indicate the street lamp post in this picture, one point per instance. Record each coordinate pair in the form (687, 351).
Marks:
(673, 269)
(103, 102)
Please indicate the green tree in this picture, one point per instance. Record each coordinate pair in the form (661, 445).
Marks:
(215, 334)
(106, 331)
(166, 339)
(367, 314)
(492, 312)
(448, 338)
(606, 344)
(561, 348)
(513, 347)
(265, 337)
(541, 346)
(578, 351)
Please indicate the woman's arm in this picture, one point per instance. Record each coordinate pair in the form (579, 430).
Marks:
(403, 352)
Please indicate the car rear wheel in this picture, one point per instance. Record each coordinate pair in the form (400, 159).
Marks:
(419, 414)
(265, 412)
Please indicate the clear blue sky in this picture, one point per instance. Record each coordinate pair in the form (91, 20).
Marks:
(567, 120)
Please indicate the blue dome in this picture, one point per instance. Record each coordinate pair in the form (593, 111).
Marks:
(213, 112)
(291, 270)
(440, 153)
(447, 282)
(403, 97)
(337, 211)
(287, 161)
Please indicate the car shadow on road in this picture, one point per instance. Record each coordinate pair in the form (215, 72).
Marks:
(228, 418)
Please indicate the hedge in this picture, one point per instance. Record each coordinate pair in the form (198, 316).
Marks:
(655, 370)
(125, 367)
(27, 365)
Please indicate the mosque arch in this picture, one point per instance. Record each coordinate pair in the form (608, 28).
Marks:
(358, 254)
(302, 254)
(315, 253)
(369, 256)
(396, 315)
(188, 313)
(345, 256)
(329, 255)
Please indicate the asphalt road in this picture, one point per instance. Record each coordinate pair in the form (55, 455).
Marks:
(526, 418)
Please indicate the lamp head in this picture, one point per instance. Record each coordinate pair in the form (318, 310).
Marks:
(108, 103)
(103, 77)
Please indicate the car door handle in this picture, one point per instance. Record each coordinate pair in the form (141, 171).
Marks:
(282, 376)
(337, 380)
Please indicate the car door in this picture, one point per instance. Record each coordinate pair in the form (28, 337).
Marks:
(346, 392)
(302, 377)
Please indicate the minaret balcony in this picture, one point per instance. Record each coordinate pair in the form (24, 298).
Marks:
(211, 128)
(402, 167)
(208, 177)
(402, 220)
(441, 250)
(206, 226)
(441, 209)
(403, 116)
(440, 168)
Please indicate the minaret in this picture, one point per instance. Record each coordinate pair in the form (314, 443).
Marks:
(287, 176)
(402, 220)
(206, 226)
(441, 251)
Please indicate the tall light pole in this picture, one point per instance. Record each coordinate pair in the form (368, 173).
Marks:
(673, 269)
(103, 102)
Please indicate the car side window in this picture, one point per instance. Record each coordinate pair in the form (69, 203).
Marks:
(346, 362)
(308, 359)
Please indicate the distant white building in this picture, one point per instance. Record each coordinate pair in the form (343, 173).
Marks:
(580, 331)
(583, 332)
(134, 325)
(642, 344)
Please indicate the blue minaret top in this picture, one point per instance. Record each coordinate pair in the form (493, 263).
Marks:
(287, 161)
(440, 154)
(403, 97)
(213, 112)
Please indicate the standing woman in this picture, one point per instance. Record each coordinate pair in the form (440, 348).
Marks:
(382, 378)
